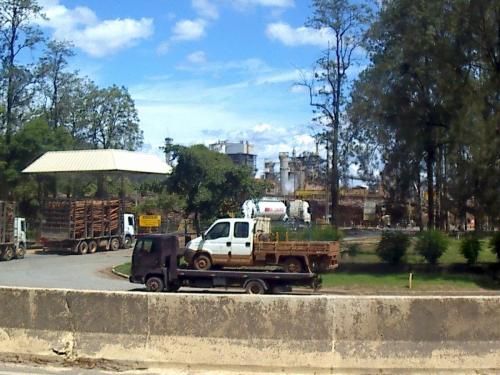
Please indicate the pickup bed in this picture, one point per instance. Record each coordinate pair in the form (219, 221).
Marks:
(235, 242)
(155, 263)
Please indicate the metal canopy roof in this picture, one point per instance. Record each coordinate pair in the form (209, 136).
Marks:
(98, 161)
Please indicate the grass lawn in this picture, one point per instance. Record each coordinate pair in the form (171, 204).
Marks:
(123, 268)
(399, 282)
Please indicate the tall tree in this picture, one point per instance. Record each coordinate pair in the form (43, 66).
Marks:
(346, 22)
(113, 119)
(18, 32)
(56, 81)
(209, 182)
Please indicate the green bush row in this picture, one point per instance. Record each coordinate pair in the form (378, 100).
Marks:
(431, 245)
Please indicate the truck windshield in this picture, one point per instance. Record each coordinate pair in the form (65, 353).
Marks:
(219, 230)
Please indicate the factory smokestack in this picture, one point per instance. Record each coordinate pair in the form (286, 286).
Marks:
(284, 172)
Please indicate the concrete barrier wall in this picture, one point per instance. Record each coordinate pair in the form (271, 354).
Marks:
(257, 332)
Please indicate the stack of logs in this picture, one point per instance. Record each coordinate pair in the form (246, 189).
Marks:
(86, 218)
(6, 222)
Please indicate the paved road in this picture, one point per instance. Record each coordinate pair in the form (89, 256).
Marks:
(89, 271)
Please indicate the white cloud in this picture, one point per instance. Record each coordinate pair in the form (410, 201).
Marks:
(81, 26)
(163, 48)
(197, 57)
(205, 9)
(261, 128)
(243, 4)
(189, 30)
(290, 36)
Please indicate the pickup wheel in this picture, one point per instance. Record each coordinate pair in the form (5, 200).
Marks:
(154, 284)
(293, 265)
(20, 251)
(255, 287)
(202, 262)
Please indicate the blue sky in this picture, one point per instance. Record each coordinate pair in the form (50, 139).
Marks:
(200, 70)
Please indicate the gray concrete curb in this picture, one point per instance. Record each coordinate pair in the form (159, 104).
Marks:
(118, 273)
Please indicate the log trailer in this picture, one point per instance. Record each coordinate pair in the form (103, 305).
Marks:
(84, 226)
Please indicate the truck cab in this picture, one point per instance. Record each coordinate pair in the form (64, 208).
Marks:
(226, 241)
(20, 233)
(128, 230)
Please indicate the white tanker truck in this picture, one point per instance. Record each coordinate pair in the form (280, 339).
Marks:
(276, 210)
(272, 208)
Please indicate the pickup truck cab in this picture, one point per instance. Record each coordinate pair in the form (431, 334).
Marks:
(236, 242)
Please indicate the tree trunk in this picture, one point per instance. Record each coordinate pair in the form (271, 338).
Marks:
(419, 202)
(197, 223)
(429, 162)
(334, 183)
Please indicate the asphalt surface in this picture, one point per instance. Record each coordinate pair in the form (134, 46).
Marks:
(60, 270)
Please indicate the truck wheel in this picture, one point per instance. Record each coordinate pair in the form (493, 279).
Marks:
(92, 247)
(7, 253)
(115, 244)
(255, 287)
(154, 284)
(202, 262)
(292, 265)
(20, 251)
(82, 248)
(127, 244)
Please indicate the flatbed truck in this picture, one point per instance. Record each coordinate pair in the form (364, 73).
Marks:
(238, 243)
(155, 263)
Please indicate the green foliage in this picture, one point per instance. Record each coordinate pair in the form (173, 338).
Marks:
(470, 248)
(495, 244)
(315, 233)
(431, 244)
(353, 249)
(392, 247)
(210, 183)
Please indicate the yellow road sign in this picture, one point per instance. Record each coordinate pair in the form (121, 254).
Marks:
(149, 221)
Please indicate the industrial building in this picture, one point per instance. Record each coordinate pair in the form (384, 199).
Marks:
(241, 153)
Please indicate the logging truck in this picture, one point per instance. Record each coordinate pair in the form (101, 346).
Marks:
(240, 243)
(12, 233)
(84, 226)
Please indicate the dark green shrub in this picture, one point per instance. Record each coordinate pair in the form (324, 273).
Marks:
(392, 247)
(495, 244)
(431, 244)
(470, 248)
(353, 249)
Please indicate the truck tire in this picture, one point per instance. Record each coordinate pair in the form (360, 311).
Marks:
(154, 284)
(20, 251)
(114, 244)
(127, 243)
(7, 253)
(202, 262)
(82, 248)
(292, 265)
(92, 246)
(255, 287)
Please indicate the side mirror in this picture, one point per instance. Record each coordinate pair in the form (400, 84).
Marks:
(203, 237)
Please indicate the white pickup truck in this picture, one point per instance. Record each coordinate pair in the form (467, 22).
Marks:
(236, 242)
